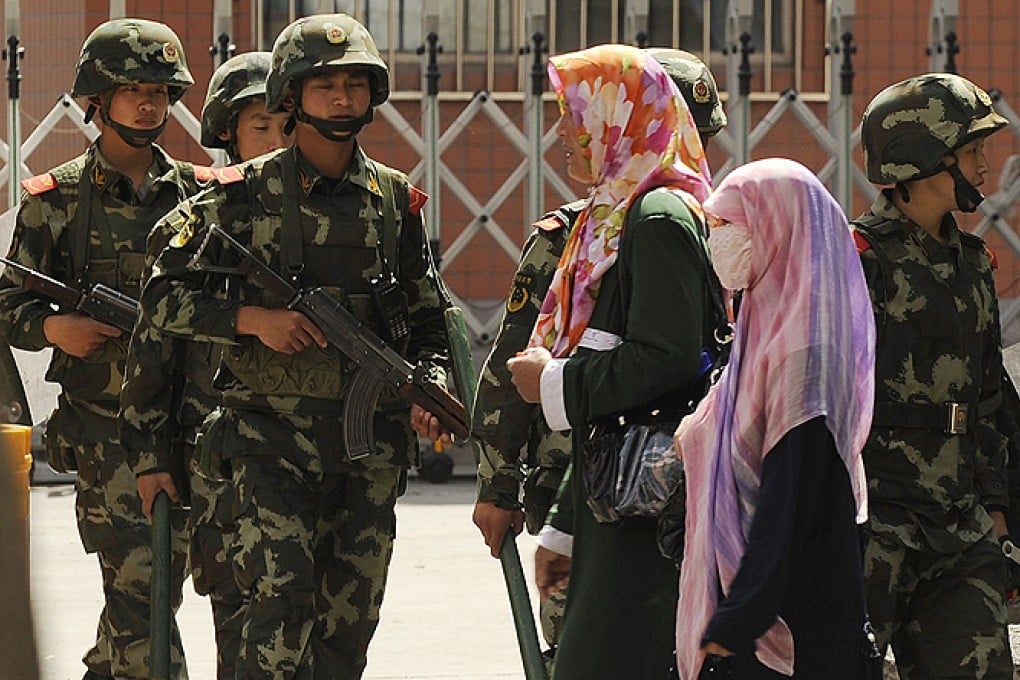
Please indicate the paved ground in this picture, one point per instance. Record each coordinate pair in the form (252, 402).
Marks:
(446, 615)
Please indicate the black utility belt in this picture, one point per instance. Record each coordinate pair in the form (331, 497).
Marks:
(309, 406)
(952, 417)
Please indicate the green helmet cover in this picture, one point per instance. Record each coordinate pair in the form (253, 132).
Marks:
(320, 41)
(696, 85)
(233, 85)
(131, 52)
(910, 127)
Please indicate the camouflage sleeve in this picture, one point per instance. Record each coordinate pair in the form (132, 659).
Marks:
(39, 222)
(427, 298)
(146, 400)
(990, 474)
(174, 299)
(501, 420)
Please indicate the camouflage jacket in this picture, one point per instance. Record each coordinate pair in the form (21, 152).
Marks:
(938, 344)
(167, 392)
(48, 237)
(338, 223)
(502, 422)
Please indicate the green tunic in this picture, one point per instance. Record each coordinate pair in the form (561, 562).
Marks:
(623, 593)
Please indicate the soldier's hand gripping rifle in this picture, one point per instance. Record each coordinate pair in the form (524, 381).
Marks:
(378, 364)
(100, 302)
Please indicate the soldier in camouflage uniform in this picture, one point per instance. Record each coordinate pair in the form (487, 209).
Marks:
(85, 222)
(314, 526)
(503, 423)
(936, 464)
(168, 390)
(234, 117)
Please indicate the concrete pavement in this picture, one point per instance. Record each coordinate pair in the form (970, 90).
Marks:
(446, 615)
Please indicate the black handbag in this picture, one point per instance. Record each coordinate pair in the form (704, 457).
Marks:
(631, 468)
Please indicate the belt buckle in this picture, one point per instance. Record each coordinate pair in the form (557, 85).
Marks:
(957, 418)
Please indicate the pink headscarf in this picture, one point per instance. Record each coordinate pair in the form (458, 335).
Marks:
(804, 346)
(637, 134)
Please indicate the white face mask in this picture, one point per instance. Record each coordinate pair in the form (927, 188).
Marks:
(731, 255)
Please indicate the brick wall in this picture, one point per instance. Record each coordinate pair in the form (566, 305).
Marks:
(891, 39)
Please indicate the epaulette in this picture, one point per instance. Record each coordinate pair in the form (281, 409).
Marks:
(862, 243)
(550, 223)
(418, 199)
(226, 175)
(39, 184)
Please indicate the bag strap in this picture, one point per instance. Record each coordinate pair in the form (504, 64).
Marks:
(722, 331)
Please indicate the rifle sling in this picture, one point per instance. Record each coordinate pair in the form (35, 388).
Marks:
(291, 236)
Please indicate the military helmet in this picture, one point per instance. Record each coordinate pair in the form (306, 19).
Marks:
(696, 85)
(910, 127)
(232, 87)
(322, 40)
(131, 52)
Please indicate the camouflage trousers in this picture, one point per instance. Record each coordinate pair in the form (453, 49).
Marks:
(212, 532)
(312, 552)
(111, 524)
(943, 614)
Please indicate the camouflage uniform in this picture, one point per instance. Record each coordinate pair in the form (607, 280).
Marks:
(85, 222)
(936, 464)
(168, 392)
(502, 422)
(327, 521)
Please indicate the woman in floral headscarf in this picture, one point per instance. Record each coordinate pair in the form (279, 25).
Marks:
(621, 328)
(775, 482)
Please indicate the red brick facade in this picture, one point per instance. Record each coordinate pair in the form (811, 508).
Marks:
(891, 41)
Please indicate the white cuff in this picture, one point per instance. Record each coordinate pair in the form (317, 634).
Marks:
(553, 407)
(558, 541)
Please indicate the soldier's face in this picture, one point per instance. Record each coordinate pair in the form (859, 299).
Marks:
(578, 163)
(259, 132)
(143, 106)
(337, 94)
(973, 162)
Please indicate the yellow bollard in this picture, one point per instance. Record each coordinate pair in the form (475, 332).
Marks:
(16, 446)
(17, 643)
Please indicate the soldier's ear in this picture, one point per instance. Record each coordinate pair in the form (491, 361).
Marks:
(225, 135)
(288, 103)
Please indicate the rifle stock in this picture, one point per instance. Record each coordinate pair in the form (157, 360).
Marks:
(378, 364)
(100, 302)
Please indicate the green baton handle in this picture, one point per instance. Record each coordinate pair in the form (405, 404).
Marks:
(509, 558)
(159, 590)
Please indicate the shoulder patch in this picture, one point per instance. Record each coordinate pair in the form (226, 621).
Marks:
(992, 257)
(549, 224)
(418, 199)
(39, 184)
(861, 242)
(226, 175)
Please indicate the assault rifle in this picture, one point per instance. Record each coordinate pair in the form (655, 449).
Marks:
(100, 302)
(379, 365)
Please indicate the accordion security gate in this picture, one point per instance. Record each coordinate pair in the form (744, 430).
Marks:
(533, 175)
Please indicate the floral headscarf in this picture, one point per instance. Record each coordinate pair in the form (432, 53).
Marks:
(637, 134)
(804, 346)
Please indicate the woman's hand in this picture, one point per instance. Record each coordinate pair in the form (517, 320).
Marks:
(526, 369)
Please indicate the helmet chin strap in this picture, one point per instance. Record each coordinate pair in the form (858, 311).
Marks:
(968, 198)
(333, 130)
(134, 137)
